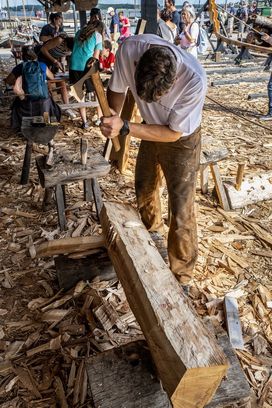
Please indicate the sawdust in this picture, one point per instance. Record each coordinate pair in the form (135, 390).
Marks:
(42, 350)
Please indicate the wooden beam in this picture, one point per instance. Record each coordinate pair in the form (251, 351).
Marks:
(253, 189)
(190, 363)
(69, 245)
(220, 82)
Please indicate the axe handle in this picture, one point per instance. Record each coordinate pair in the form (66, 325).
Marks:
(99, 89)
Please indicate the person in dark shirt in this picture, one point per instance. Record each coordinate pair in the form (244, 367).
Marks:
(114, 24)
(52, 29)
(170, 5)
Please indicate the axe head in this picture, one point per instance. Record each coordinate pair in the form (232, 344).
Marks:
(76, 90)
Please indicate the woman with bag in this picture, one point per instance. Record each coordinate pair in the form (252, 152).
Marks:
(189, 36)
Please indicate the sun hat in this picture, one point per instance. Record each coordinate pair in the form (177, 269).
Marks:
(110, 10)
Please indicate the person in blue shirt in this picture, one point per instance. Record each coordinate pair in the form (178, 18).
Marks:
(23, 104)
(114, 24)
(87, 46)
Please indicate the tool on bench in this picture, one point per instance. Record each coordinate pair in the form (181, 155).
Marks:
(77, 92)
(31, 130)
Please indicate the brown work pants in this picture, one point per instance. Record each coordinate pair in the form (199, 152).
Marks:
(179, 162)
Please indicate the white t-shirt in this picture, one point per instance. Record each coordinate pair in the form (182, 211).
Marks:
(181, 107)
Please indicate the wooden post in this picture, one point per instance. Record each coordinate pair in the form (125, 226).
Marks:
(189, 361)
(239, 176)
(220, 190)
(149, 13)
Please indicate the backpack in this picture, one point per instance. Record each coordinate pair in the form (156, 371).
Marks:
(34, 82)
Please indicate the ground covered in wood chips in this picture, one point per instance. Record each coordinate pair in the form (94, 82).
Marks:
(46, 334)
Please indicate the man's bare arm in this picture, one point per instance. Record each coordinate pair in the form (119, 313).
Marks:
(110, 127)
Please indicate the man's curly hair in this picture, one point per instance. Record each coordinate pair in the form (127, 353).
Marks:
(155, 73)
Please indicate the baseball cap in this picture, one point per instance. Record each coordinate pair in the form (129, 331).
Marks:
(110, 10)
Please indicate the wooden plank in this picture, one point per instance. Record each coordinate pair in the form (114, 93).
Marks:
(125, 377)
(234, 387)
(253, 189)
(232, 70)
(190, 363)
(233, 322)
(69, 245)
(221, 194)
(70, 271)
(219, 82)
(77, 105)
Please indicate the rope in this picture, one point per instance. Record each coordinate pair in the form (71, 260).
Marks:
(237, 114)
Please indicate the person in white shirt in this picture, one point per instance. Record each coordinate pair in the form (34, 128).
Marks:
(169, 87)
(190, 33)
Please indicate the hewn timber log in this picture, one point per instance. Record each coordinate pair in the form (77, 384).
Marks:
(190, 363)
(252, 190)
(219, 82)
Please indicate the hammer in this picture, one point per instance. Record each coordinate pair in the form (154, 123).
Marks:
(77, 92)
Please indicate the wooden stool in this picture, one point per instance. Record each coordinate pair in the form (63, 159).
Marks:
(61, 84)
(209, 159)
(65, 171)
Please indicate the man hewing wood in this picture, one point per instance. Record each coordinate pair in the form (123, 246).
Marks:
(169, 87)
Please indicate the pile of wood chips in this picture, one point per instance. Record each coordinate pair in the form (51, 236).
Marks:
(45, 334)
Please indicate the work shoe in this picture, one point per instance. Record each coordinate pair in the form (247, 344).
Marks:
(266, 117)
(85, 125)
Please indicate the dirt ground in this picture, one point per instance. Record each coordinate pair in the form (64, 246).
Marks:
(235, 258)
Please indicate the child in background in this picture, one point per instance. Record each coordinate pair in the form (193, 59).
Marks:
(107, 58)
(124, 26)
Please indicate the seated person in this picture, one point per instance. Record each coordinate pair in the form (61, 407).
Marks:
(53, 29)
(107, 58)
(29, 82)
